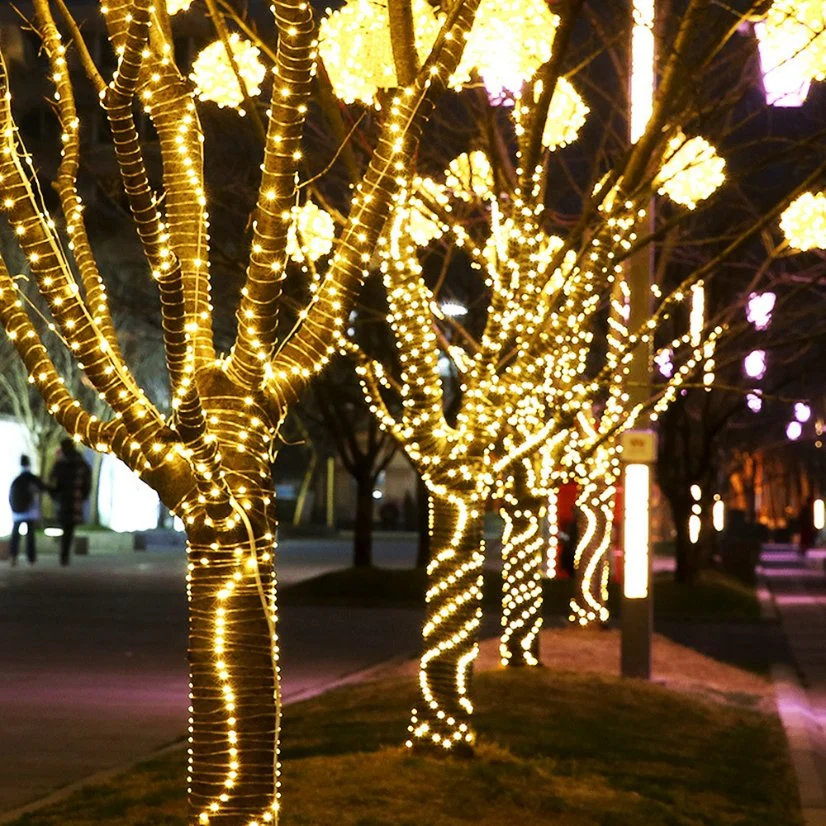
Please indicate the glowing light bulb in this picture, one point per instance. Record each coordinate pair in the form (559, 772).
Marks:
(802, 412)
(760, 308)
(754, 364)
(794, 430)
(754, 402)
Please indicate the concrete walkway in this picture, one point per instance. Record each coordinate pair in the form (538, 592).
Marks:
(93, 668)
(798, 587)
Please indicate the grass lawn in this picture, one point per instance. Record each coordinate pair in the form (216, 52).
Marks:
(714, 597)
(561, 748)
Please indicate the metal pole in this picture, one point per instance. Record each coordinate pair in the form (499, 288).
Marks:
(639, 449)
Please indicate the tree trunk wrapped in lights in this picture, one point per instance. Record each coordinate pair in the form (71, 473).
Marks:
(210, 460)
(595, 505)
(523, 546)
(442, 714)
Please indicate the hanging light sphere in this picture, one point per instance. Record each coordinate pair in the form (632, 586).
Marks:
(215, 78)
(802, 412)
(804, 222)
(754, 364)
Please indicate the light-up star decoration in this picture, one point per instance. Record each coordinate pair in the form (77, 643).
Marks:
(215, 79)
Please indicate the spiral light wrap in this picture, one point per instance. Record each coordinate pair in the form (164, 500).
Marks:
(441, 718)
(233, 649)
(522, 560)
(590, 601)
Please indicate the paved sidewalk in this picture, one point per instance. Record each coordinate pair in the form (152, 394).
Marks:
(799, 591)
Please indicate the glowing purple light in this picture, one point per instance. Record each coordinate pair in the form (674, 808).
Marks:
(755, 364)
(802, 412)
(759, 309)
(754, 402)
(794, 430)
(664, 362)
(785, 80)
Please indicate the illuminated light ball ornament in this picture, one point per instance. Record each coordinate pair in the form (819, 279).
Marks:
(509, 41)
(691, 172)
(665, 362)
(802, 412)
(794, 430)
(754, 402)
(796, 30)
(215, 79)
(566, 114)
(754, 364)
(422, 226)
(470, 176)
(804, 222)
(354, 43)
(786, 79)
(175, 6)
(760, 308)
(311, 233)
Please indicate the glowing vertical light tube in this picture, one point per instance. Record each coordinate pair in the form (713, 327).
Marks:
(635, 580)
(697, 319)
(718, 515)
(642, 67)
(819, 515)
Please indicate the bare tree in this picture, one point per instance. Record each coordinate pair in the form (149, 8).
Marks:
(210, 459)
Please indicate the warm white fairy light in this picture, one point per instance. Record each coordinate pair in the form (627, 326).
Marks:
(691, 171)
(470, 176)
(215, 78)
(804, 222)
(566, 115)
(311, 234)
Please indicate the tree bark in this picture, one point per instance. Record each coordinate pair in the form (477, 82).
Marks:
(363, 528)
(590, 601)
(441, 720)
(522, 561)
(233, 662)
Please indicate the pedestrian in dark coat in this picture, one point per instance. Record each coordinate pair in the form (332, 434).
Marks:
(71, 483)
(24, 498)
